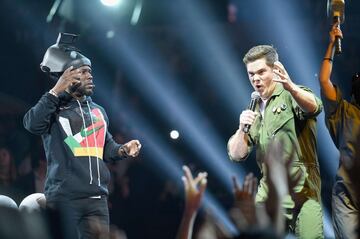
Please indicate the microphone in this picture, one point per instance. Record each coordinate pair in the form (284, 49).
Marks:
(255, 96)
(338, 14)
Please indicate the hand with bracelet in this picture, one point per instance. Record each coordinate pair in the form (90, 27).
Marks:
(327, 88)
(70, 78)
(334, 33)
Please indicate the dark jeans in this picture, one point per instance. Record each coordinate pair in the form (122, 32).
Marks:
(344, 212)
(90, 216)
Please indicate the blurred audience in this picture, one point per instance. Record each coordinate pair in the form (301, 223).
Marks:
(253, 220)
(7, 167)
(34, 180)
(8, 174)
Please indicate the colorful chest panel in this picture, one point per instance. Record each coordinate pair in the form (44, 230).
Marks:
(90, 140)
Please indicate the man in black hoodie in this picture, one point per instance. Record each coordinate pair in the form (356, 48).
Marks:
(76, 140)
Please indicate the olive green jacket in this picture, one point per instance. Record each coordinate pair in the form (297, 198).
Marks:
(284, 120)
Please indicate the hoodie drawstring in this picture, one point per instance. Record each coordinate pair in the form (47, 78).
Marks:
(87, 142)
(96, 149)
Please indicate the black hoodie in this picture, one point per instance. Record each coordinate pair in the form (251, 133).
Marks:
(76, 143)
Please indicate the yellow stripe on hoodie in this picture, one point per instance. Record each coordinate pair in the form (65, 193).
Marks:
(89, 151)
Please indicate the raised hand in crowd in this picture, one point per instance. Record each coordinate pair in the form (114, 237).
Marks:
(251, 219)
(244, 211)
(277, 181)
(194, 190)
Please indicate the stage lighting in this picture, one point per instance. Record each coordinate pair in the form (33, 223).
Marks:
(110, 34)
(111, 3)
(174, 134)
(136, 13)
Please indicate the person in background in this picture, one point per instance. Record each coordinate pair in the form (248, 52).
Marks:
(342, 119)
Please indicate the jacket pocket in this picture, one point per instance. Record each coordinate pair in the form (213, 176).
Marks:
(280, 121)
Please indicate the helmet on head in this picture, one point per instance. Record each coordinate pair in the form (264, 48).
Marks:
(63, 54)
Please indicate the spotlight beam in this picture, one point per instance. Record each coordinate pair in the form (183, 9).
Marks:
(53, 10)
(168, 98)
(167, 162)
(136, 13)
(213, 51)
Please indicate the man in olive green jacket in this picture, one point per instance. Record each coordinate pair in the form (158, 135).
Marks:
(286, 112)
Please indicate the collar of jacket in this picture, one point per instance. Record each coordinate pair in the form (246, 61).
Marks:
(68, 99)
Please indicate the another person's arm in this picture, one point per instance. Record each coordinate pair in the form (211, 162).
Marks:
(327, 87)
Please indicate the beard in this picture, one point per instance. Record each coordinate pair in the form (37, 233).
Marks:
(84, 90)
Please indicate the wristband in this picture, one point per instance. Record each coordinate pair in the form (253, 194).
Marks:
(53, 93)
(123, 152)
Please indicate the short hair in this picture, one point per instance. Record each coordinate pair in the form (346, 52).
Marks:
(262, 51)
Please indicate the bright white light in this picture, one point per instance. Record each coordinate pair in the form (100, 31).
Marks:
(111, 3)
(136, 13)
(174, 134)
(110, 34)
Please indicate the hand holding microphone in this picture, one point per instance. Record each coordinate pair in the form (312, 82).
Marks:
(335, 34)
(247, 117)
(337, 10)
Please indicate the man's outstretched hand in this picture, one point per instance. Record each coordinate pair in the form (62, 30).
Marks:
(131, 148)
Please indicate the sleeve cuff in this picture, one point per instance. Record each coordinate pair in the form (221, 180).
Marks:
(52, 98)
(331, 106)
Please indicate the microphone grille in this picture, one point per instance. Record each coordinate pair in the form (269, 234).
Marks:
(255, 95)
(338, 9)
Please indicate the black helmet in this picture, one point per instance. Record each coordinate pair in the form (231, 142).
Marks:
(63, 54)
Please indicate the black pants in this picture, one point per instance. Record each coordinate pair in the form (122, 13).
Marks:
(88, 216)
(344, 212)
